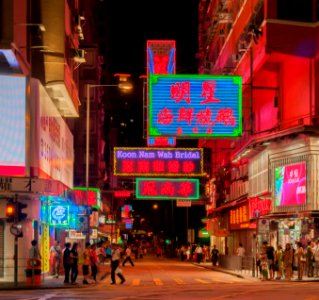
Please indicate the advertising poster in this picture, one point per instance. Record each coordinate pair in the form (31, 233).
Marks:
(290, 184)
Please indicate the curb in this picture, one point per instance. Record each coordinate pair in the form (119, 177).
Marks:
(219, 270)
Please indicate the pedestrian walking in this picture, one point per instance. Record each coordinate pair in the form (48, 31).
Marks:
(264, 261)
(74, 259)
(115, 263)
(86, 262)
(67, 262)
(199, 253)
(94, 262)
(128, 258)
(301, 260)
(288, 260)
(279, 262)
(309, 259)
(34, 252)
(214, 254)
(55, 255)
(240, 251)
(271, 257)
(316, 258)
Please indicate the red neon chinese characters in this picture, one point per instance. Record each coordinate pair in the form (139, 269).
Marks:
(204, 117)
(143, 166)
(188, 167)
(128, 166)
(185, 189)
(185, 114)
(208, 88)
(173, 166)
(181, 91)
(165, 116)
(149, 188)
(160, 64)
(167, 189)
(158, 166)
(226, 116)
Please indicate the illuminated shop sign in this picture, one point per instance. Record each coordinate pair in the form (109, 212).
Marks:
(259, 207)
(166, 188)
(290, 184)
(161, 141)
(59, 215)
(158, 162)
(122, 194)
(87, 196)
(160, 56)
(239, 217)
(191, 106)
(126, 211)
(128, 223)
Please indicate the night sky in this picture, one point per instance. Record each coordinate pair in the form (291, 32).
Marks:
(125, 26)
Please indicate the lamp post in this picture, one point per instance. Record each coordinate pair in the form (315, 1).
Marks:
(122, 85)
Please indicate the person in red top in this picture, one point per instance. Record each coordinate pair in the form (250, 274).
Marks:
(94, 262)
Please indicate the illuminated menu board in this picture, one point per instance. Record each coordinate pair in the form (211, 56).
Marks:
(186, 162)
(167, 188)
(191, 106)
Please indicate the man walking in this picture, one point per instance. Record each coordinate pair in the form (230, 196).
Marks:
(67, 262)
(215, 254)
(115, 262)
(128, 258)
(55, 252)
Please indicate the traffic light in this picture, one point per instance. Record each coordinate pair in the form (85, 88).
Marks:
(10, 212)
(21, 215)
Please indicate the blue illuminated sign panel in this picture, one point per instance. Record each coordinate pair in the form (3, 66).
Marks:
(59, 215)
(192, 106)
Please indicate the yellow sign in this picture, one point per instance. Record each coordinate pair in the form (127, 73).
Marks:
(45, 248)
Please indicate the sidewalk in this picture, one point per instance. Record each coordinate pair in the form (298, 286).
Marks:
(247, 274)
(50, 282)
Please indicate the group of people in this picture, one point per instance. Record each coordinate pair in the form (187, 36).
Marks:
(90, 259)
(280, 263)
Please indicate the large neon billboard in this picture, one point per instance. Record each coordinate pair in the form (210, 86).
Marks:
(167, 188)
(186, 162)
(290, 184)
(13, 127)
(192, 106)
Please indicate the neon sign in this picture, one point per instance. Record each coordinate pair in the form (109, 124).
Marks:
(259, 207)
(191, 106)
(161, 141)
(59, 215)
(87, 196)
(160, 57)
(158, 162)
(165, 188)
(239, 217)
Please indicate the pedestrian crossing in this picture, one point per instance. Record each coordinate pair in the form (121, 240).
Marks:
(178, 281)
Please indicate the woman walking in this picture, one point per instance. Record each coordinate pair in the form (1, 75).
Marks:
(279, 263)
(287, 260)
(301, 260)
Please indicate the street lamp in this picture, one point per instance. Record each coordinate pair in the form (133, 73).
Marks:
(123, 85)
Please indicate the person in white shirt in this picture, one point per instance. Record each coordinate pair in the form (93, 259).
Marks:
(56, 255)
(199, 253)
(115, 263)
(128, 258)
(241, 253)
(240, 250)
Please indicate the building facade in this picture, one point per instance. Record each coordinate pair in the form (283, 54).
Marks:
(273, 45)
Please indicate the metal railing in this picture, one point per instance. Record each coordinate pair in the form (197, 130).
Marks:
(239, 264)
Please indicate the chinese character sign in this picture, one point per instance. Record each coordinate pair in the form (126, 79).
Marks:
(191, 106)
(158, 162)
(165, 188)
(59, 215)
